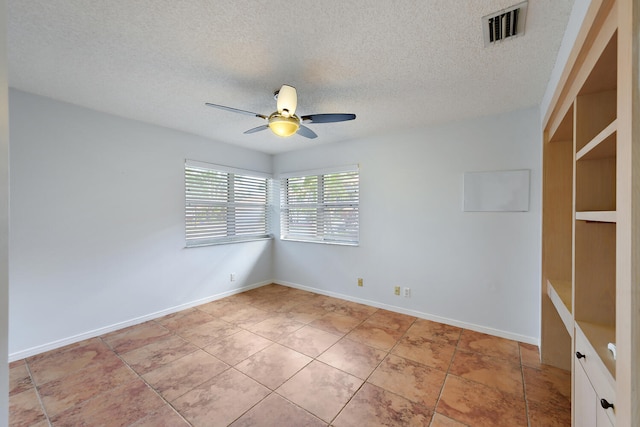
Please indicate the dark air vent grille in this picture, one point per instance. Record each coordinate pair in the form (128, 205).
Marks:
(504, 24)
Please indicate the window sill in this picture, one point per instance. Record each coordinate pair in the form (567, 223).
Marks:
(228, 242)
(323, 242)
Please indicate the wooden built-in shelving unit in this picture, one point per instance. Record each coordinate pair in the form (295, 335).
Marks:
(591, 163)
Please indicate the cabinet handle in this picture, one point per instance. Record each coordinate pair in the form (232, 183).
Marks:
(580, 355)
(605, 404)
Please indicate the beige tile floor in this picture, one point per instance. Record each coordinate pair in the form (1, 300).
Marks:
(277, 356)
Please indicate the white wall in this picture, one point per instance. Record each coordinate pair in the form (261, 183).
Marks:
(97, 238)
(97, 230)
(480, 270)
(4, 219)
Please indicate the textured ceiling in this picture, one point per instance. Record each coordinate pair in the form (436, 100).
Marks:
(393, 63)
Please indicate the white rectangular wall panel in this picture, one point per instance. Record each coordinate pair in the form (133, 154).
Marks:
(499, 191)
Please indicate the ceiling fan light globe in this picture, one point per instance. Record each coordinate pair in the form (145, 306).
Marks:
(287, 99)
(284, 126)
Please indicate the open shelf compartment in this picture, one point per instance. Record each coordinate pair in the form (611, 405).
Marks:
(595, 184)
(595, 286)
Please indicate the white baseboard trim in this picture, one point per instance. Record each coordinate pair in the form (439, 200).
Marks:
(151, 316)
(419, 314)
(135, 321)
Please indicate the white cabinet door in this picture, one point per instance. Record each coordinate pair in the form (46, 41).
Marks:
(585, 400)
(602, 417)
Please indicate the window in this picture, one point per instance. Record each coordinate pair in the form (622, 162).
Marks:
(321, 207)
(224, 205)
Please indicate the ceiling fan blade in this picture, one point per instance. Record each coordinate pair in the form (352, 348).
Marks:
(287, 100)
(306, 132)
(257, 129)
(235, 110)
(327, 118)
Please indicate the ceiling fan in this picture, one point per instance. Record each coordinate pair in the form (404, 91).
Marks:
(284, 121)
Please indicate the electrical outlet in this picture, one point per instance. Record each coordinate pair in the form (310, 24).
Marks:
(360, 281)
(396, 290)
(232, 277)
(407, 292)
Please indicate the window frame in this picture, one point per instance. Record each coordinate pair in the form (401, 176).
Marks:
(232, 207)
(325, 210)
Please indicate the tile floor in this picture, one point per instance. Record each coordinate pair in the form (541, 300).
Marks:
(277, 356)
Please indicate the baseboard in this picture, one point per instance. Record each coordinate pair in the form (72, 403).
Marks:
(114, 327)
(135, 321)
(419, 314)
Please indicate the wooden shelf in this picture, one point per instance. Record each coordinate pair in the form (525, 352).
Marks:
(599, 336)
(603, 145)
(597, 216)
(560, 293)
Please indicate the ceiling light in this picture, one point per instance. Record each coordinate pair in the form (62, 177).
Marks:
(283, 126)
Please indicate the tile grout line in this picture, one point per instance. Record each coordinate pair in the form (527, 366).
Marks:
(273, 391)
(446, 375)
(368, 376)
(172, 333)
(177, 334)
(385, 354)
(37, 390)
(524, 388)
(313, 359)
(388, 353)
(521, 369)
(146, 383)
(327, 349)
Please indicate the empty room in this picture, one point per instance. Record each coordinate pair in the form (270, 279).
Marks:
(236, 213)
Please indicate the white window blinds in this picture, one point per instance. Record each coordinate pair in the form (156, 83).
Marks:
(321, 207)
(224, 206)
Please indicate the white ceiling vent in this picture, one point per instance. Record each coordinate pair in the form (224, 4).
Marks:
(505, 24)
